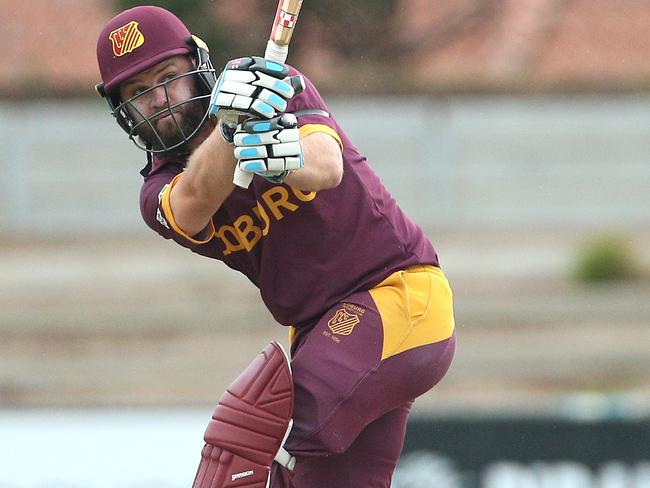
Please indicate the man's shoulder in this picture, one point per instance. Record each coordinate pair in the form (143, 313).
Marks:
(160, 163)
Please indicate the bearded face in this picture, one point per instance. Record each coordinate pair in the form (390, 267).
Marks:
(176, 121)
(165, 105)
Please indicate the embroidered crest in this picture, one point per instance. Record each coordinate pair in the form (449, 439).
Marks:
(126, 39)
(343, 322)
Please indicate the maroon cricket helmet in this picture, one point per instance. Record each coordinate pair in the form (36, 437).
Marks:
(137, 39)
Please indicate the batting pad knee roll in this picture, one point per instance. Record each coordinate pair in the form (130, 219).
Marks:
(249, 424)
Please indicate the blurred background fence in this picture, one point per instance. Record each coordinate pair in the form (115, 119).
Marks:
(489, 162)
(515, 132)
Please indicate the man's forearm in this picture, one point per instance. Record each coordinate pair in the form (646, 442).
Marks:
(323, 164)
(205, 184)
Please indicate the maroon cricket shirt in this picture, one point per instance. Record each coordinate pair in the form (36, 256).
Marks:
(304, 251)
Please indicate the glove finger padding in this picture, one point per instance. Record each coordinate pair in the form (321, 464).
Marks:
(269, 145)
(254, 86)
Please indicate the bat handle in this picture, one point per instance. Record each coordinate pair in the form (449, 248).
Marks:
(242, 178)
(276, 52)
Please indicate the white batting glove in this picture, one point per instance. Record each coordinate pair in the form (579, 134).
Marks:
(269, 148)
(255, 87)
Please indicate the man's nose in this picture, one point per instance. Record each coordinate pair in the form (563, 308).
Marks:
(158, 98)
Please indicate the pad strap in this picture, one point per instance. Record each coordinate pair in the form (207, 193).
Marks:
(285, 459)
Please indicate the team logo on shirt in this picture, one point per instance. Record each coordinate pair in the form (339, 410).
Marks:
(343, 322)
(250, 228)
(126, 39)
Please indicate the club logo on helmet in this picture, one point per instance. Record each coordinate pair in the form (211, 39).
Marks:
(126, 39)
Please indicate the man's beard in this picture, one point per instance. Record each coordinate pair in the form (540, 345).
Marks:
(173, 130)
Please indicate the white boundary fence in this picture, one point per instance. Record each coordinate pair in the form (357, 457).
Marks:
(461, 162)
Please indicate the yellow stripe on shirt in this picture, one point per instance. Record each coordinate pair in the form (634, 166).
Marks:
(307, 129)
(416, 309)
(169, 215)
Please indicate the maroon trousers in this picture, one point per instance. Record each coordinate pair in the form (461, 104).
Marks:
(352, 397)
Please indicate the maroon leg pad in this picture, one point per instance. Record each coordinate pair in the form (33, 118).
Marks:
(248, 425)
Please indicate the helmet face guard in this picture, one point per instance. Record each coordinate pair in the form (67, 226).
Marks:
(135, 123)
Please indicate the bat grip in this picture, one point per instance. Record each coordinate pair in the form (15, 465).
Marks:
(276, 52)
(242, 178)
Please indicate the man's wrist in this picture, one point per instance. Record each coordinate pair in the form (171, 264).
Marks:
(276, 178)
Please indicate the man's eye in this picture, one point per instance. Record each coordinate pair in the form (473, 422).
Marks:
(138, 91)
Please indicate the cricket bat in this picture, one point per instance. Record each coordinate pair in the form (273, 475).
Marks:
(277, 49)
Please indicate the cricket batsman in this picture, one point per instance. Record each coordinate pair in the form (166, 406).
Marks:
(334, 257)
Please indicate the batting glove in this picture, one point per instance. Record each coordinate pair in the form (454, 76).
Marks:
(254, 87)
(269, 148)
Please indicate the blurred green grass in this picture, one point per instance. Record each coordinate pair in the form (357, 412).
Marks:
(606, 259)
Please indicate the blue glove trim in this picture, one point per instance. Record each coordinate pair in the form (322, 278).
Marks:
(282, 87)
(273, 66)
(261, 127)
(250, 153)
(264, 109)
(251, 140)
(252, 167)
(277, 100)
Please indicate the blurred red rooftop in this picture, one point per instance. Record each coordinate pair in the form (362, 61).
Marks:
(47, 48)
(593, 44)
